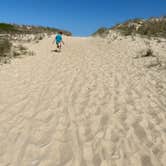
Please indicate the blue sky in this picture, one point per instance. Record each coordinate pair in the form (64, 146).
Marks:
(81, 17)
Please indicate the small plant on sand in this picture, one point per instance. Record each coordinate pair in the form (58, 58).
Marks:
(159, 41)
(22, 48)
(5, 50)
(40, 38)
(148, 53)
(5, 47)
(155, 63)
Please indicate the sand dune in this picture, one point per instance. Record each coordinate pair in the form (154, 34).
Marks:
(93, 104)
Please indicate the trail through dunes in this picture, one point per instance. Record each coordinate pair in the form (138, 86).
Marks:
(90, 105)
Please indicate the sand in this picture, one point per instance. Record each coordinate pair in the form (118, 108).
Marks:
(93, 104)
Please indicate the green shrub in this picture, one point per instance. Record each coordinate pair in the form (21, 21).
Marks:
(5, 47)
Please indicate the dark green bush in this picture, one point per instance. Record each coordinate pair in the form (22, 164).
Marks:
(5, 47)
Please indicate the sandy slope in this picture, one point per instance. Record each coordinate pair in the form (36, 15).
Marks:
(91, 105)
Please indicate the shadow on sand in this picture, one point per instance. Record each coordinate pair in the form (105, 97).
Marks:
(55, 50)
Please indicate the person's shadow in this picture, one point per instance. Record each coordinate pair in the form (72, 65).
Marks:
(55, 50)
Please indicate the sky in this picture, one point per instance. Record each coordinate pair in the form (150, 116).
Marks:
(81, 17)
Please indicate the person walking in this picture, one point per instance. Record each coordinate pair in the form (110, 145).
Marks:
(59, 41)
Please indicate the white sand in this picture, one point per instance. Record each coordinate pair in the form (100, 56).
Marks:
(93, 104)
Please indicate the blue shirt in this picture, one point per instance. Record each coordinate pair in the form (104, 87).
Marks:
(58, 38)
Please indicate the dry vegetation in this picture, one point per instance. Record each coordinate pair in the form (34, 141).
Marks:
(27, 29)
(153, 27)
(151, 56)
(9, 51)
(5, 50)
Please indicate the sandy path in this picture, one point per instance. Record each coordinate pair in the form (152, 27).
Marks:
(90, 105)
